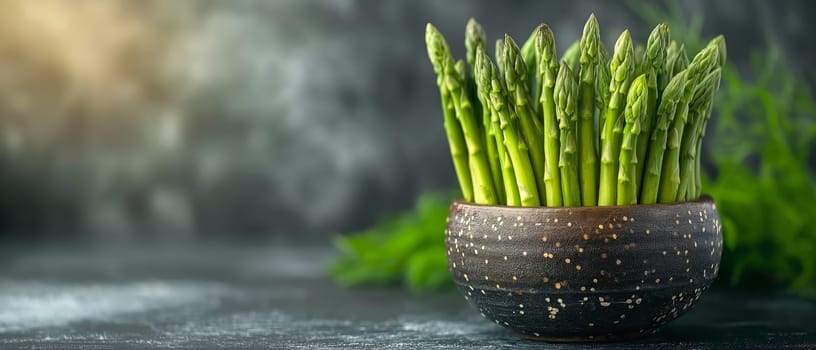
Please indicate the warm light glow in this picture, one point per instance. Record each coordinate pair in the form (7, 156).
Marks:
(89, 51)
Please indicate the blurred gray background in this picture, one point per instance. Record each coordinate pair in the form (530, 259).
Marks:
(281, 120)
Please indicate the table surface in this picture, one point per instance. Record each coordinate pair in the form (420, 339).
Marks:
(277, 296)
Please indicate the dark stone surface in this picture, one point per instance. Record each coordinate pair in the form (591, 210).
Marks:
(586, 273)
(277, 297)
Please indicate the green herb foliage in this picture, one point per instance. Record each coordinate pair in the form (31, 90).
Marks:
(406, 249)
(763, 186)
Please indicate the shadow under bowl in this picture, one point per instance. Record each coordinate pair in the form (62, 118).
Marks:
(584, 273)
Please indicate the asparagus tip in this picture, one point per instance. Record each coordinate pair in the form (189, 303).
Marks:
(589, 41)
(545, 44)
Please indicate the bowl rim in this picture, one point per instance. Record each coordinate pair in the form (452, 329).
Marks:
(704, 199)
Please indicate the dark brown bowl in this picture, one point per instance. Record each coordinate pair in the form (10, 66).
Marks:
(584, 273)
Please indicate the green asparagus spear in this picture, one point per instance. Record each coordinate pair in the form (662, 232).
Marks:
(635, 113)
(547, 72)
(670, 176)
(657, 147)
(622, 68)
(458, 148)
(719, 41)
(655, 56)
(515, 145)
(662, 75)
(698, 115)
(666, 73)
(483, 86)
(696, 189)
(652, 62)
(499, 54)
(437, 51)
(453, 76)
(681, 61)
(572, 54)
(530, 57)
(511, 188)
(493, 155)
(515, 79)
(475, 37)
(587, 152)
(565, 93)
(483, 190)
(602, 94)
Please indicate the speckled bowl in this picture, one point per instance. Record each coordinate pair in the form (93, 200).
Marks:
(584, 273)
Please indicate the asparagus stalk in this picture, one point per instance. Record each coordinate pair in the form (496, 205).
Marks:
(514, 144)
(680, 61)
(515, 79)
(493, 155)
(453, 76)
(696, 189)
(719, 41)
(483, 86)
(661, 74)
(700, 109)
(453, 129)
(602, 94)
(499, 53)
(547, 73)
(475, 37)
(511, 188)
(670, 176)
(530, 56)
(666, 73)
(483, 190)
(587, 152)
(458, 148)
(698, 114)
(635, 114)
(622, 68)
(515, 195)
(657, 147)
(652, 62)
(565, 93)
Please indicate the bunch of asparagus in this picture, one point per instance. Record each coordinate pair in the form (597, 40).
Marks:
(590, 129)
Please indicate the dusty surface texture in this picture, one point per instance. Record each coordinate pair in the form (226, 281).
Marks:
(277, 297)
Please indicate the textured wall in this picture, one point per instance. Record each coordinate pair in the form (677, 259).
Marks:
(287, 118)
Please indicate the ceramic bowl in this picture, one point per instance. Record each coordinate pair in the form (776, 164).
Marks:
(584, 273)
